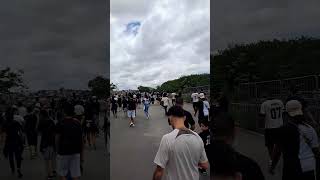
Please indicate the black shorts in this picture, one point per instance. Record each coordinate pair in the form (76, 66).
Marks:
(271, 136)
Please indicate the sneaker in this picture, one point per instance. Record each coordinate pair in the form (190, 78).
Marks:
(131, 124)
(19, 174)
(270, 168)
(54, 173)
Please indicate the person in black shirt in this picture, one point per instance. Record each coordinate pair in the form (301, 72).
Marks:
(114, 106)
(132, 105)
(205, 136)
(125, 105)
(223, 137)
(298, 144)
(14, 143)
(31, 121)
(47, 143)
(189, 122)
(69, 145)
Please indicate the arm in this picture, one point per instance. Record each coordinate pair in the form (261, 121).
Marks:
(204, 165)
(203, 162)
(158, 173)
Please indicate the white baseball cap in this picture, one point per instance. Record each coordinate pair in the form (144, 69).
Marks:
(201, 95)
(294, 108)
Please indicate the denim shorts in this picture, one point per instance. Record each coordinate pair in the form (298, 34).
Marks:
(68, 163)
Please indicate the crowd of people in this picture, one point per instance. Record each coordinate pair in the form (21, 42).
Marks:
(290, 133)
(63, 126)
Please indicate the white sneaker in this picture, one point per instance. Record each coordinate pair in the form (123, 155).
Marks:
(131, 124)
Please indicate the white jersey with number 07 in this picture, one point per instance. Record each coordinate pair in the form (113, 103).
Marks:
(272, 109)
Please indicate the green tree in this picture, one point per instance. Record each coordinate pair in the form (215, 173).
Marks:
(11, 79)
(145, 89)
(100, 87)
(264, 60)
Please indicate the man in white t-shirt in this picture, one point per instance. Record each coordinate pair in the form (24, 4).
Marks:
(173, 97)
(181, 152)
(195, 100)
(272, 110)
(165, 103)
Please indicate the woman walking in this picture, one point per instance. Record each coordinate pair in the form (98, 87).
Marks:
(146, 103)
(14, 142)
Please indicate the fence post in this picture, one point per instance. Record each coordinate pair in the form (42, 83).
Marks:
(317, 81)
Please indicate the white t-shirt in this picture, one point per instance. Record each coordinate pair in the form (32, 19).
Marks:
(306, 156)
(165, 101)
(22, 111)
(19, 119)
(272, 109)
(180, 156)
(173, 95)
(206, 107)
(195, 97)
(78, 110)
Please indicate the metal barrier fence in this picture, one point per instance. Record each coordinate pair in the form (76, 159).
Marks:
(276, 88)
(247, 98)
(188, 91)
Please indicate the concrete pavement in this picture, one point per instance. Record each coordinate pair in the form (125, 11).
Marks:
(133, 149)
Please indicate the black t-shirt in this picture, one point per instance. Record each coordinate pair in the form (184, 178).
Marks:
(70, 141)
(249, 169)
(114, 104)
(132, 104)
(30, 123)
(289, 143)
(205, 136)
(124, 102)
(189, 119)
(47, 129)
(13, 139)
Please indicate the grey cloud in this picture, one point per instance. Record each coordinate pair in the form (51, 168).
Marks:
(56, 43)
(251, 21)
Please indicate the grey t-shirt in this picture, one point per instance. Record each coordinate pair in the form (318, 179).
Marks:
(180, 155)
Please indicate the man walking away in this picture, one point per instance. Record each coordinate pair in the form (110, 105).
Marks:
(189, 122)
(132, 105)
(298, 142)
(31, 121)
(47, 143)
(69, 146)
(165, 102)
(271, 111)
(181, 152)
(195, 99)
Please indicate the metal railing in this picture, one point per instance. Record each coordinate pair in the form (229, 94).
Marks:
(276, 88)
(247, 98)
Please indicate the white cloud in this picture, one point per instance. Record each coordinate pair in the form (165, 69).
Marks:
(173, 40)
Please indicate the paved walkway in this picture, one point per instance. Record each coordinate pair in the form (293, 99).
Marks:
(133, 149)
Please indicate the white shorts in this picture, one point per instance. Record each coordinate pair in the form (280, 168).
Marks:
(68, 163)
(131, 113)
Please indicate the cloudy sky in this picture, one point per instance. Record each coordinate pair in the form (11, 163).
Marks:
(57, 43)
(244, 21)
(155, 41)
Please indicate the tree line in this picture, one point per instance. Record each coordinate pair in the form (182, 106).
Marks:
(264, 60)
